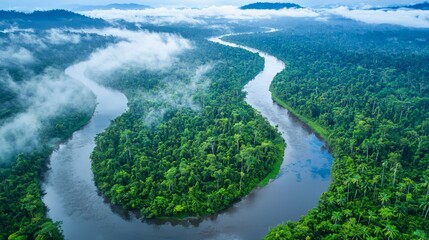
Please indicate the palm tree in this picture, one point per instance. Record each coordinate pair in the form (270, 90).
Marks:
(384, 197)
(420, 235)
(384, 164)
(425, 206)
(395, 170)
(371, 216)
(348, 181)
(390, 231)
(409, 183)
(425, 184)
(386, 212)
(356, 180)
(336, 216)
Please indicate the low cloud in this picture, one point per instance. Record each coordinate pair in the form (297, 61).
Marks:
(19, 47)
(58, 37)
(47, 95)
(136, 50)
(14, 29)
(27, 38)
(175, 94)
(15, 56)
(44, 97)
(154, 52)
(195, 16)
(402, 17)
(163, 16)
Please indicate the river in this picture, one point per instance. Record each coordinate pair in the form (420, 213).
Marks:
(72, 197)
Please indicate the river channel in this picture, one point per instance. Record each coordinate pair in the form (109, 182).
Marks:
(72, 197)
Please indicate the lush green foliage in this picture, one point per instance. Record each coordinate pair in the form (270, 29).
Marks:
(369, 91)
(49, 19)
(192, 161)
(22, 212)
(21, 207)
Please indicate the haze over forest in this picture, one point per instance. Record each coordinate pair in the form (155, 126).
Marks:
(146, 120)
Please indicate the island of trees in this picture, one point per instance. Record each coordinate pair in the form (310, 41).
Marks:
(188, 162)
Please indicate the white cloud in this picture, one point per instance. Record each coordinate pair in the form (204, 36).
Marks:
(196, 16)
(26, 38)
(402, 17)
(176, 94)
(58, 37)
(14, 29)
(15, 56)
(44, 97)
(138, 49)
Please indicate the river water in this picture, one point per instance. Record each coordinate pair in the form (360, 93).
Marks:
(71, 196)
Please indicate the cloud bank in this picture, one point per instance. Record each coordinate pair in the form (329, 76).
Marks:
(136, 50)
(157, 53)
(165, 16)
(59, 37)
(195, 16)
(401, 17)
(15, 56)
(19, 46)
(44, 97)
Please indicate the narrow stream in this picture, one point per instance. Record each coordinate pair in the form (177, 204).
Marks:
(72, 197)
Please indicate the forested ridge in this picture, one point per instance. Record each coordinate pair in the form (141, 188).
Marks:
(192, 161)
(367, 93)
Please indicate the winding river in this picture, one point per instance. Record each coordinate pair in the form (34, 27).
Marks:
(71, 196)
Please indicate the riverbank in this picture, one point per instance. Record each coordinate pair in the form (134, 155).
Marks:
(317, 128)
(276, 168)
(300, 178)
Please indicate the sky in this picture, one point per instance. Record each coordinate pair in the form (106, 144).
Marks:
(26, 5)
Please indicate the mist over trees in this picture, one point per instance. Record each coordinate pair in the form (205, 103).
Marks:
(205, 149)
(189, 145)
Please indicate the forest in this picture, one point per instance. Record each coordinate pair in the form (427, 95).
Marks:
(189, 146)
(193, 160)
(22, 212)
(365, 91)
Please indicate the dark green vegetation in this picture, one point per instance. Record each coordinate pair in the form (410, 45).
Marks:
(48, 19)
(272, 6)
(22, 212)
(421, 6)
(367, 93)
(194, 159)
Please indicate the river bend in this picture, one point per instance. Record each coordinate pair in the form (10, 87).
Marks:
(71, 195)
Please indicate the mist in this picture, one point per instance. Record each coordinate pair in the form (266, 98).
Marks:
(14, 56)
(44, 96)
(401, 17)
(177, 93)
(136, 50)
(157, 54)
(166, 16)
(160, 16)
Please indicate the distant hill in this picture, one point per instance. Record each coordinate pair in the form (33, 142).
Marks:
(420, 6)
(122, 6)
(48, 19)
(270, 6)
